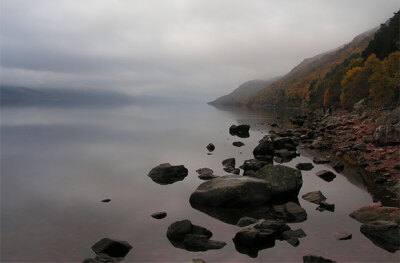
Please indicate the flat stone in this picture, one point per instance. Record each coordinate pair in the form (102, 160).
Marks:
(238, 144)
(245, 221)
(316, 259)
(342, 235)
(315, 197)
(106, 200)
(326, 175)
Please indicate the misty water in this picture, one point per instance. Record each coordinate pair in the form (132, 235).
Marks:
(57, 164)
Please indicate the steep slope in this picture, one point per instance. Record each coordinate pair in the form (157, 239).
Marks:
(244, 91)
(300, 85)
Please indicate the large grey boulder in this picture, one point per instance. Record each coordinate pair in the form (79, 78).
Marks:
(167, 174)
(284, 181)
(385, 234)
(232, 191)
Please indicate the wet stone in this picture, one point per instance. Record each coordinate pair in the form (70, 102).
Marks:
(315, 197)
(342, 235)
(159, 215)
(326, 175)
(210, 147)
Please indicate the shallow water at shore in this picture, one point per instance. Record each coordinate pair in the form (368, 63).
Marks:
(58, 164)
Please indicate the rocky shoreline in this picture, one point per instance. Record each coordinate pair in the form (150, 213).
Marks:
(365, 140)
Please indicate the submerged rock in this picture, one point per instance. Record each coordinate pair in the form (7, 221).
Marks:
(167, 174)
(232, 191)
(316, 259)
(210, 147)
(284, 181)
(326, 175)
(342, 235)
(315, 197)
(238, 144)
(112, 248)
(305, 166)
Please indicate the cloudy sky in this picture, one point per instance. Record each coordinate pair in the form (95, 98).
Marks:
(201, 47)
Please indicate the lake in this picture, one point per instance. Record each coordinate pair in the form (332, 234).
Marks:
(58, 163)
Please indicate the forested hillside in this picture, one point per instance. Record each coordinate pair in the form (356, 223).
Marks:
(367, 67)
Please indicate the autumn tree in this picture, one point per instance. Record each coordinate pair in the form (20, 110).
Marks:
(385, 82)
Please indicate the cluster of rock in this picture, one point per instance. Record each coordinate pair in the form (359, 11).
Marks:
(109, 250)
(278, 146)
(241, 130)
(371, 142)
(263, 235)
(381, 225)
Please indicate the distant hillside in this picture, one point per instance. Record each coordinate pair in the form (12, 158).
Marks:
(244, 91)
(367, 67)
(21, 96)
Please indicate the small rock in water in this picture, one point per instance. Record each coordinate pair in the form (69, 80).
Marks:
(316, 259)
(315, 197)
(167, 174)
(241, 131)
(298, 233)
(106, 200)
(238, 144)
(342, 235)
(112, 248)
(210, 147)
(320, 160)
(339, 167)
(245, 221)
(326, 175)
(197, 260)
(326, 206)
(206, 173)
(230, 162)
(293, 241)
(305, 166)
(159, 215)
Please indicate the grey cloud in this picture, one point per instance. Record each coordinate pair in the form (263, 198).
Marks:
(198, 46)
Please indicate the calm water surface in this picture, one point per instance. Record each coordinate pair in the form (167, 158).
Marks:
(57, 164)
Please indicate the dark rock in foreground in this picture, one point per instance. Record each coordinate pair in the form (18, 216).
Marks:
(112, 248)
(342, 236)
(381, 225)
(250, 240)
(284, 181)
(305, 166)
(210, 147)
(159, 215)
(167, 174)
(238, 144)
(232, 191)
(315, 197)
(316, 259)
(326, 175)
(183, 234)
